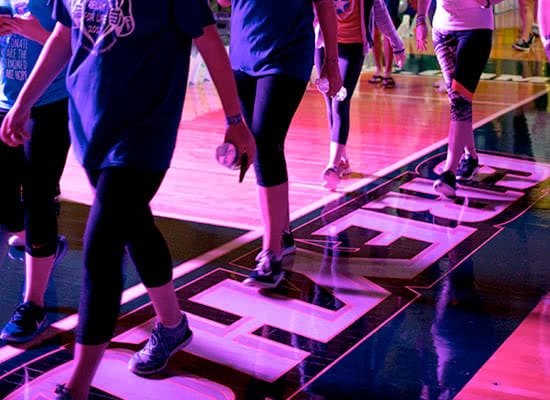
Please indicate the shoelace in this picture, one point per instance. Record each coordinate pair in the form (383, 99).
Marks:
(21, 311)
(154, 344)
(264, 258)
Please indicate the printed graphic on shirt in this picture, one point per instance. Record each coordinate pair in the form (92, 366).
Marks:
(344, 8)
(16, 46)
(102, 22)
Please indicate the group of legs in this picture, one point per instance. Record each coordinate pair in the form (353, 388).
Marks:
(383, 51)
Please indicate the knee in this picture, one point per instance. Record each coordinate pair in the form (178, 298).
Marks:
(461, 107)
(270, 165)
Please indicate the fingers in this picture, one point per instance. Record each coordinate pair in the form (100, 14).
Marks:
(12, 139)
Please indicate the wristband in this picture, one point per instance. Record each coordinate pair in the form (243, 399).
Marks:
(420, 20)
(332, 60)
(234, 119)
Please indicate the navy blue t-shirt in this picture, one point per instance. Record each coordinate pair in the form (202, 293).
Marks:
(272, 36)
(127, 77)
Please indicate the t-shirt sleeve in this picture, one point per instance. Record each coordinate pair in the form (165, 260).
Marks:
(192, 15)
(60, 13)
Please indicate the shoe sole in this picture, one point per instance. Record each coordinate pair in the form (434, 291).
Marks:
(330, 180)
(444, 189)
(521, 48)
(262, 285)
(24, 339)
(465, 178)
(162, 367)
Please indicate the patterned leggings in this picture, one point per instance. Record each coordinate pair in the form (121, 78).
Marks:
(462, 56)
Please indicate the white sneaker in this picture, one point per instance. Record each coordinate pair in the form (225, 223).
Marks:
(331, 178)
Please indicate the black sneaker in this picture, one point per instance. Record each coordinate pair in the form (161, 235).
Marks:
(446, 184)
(522, 45)
(289, 245)
(467, 168)
(268, 272)
(17, 249)
(27, 321)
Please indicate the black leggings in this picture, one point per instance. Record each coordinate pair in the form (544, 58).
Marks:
(268, 104)
(29, 178)
(120, 217)
(350, 62)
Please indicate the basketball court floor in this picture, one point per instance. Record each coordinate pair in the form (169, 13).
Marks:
(393, 293)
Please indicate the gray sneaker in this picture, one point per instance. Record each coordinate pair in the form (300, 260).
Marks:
(159, 348)
(268, 273)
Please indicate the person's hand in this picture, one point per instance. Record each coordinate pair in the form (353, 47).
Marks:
(399, 58)
(15, 127)
(25, 25)
(6, 25)
(421, 32)
(331, 72)
(242, 138)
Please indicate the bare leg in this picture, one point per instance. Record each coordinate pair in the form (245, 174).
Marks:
(527, 13)
(86, 360)
(377, 51)
(166, 304)
(388, 58)
(461, 136)
(37, 275)
(337, 152)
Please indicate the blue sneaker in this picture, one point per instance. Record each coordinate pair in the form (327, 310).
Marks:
(268, 273)
(159, 348)
(17, 249)
(27, 321)
(62, 393)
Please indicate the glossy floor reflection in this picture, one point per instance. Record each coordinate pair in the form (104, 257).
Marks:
(393, 293)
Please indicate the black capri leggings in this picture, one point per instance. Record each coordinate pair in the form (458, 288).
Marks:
(29, 178)
(120, 217)
(268, 104)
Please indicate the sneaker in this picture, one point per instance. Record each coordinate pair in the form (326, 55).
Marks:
(268, 272)
(446, 184)
(17, 250)
(27, 321)
(62, 393)
(289, 245)
(331, 178)
(344, 168)
(467, 168)
(162, 344)
(522, 45)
